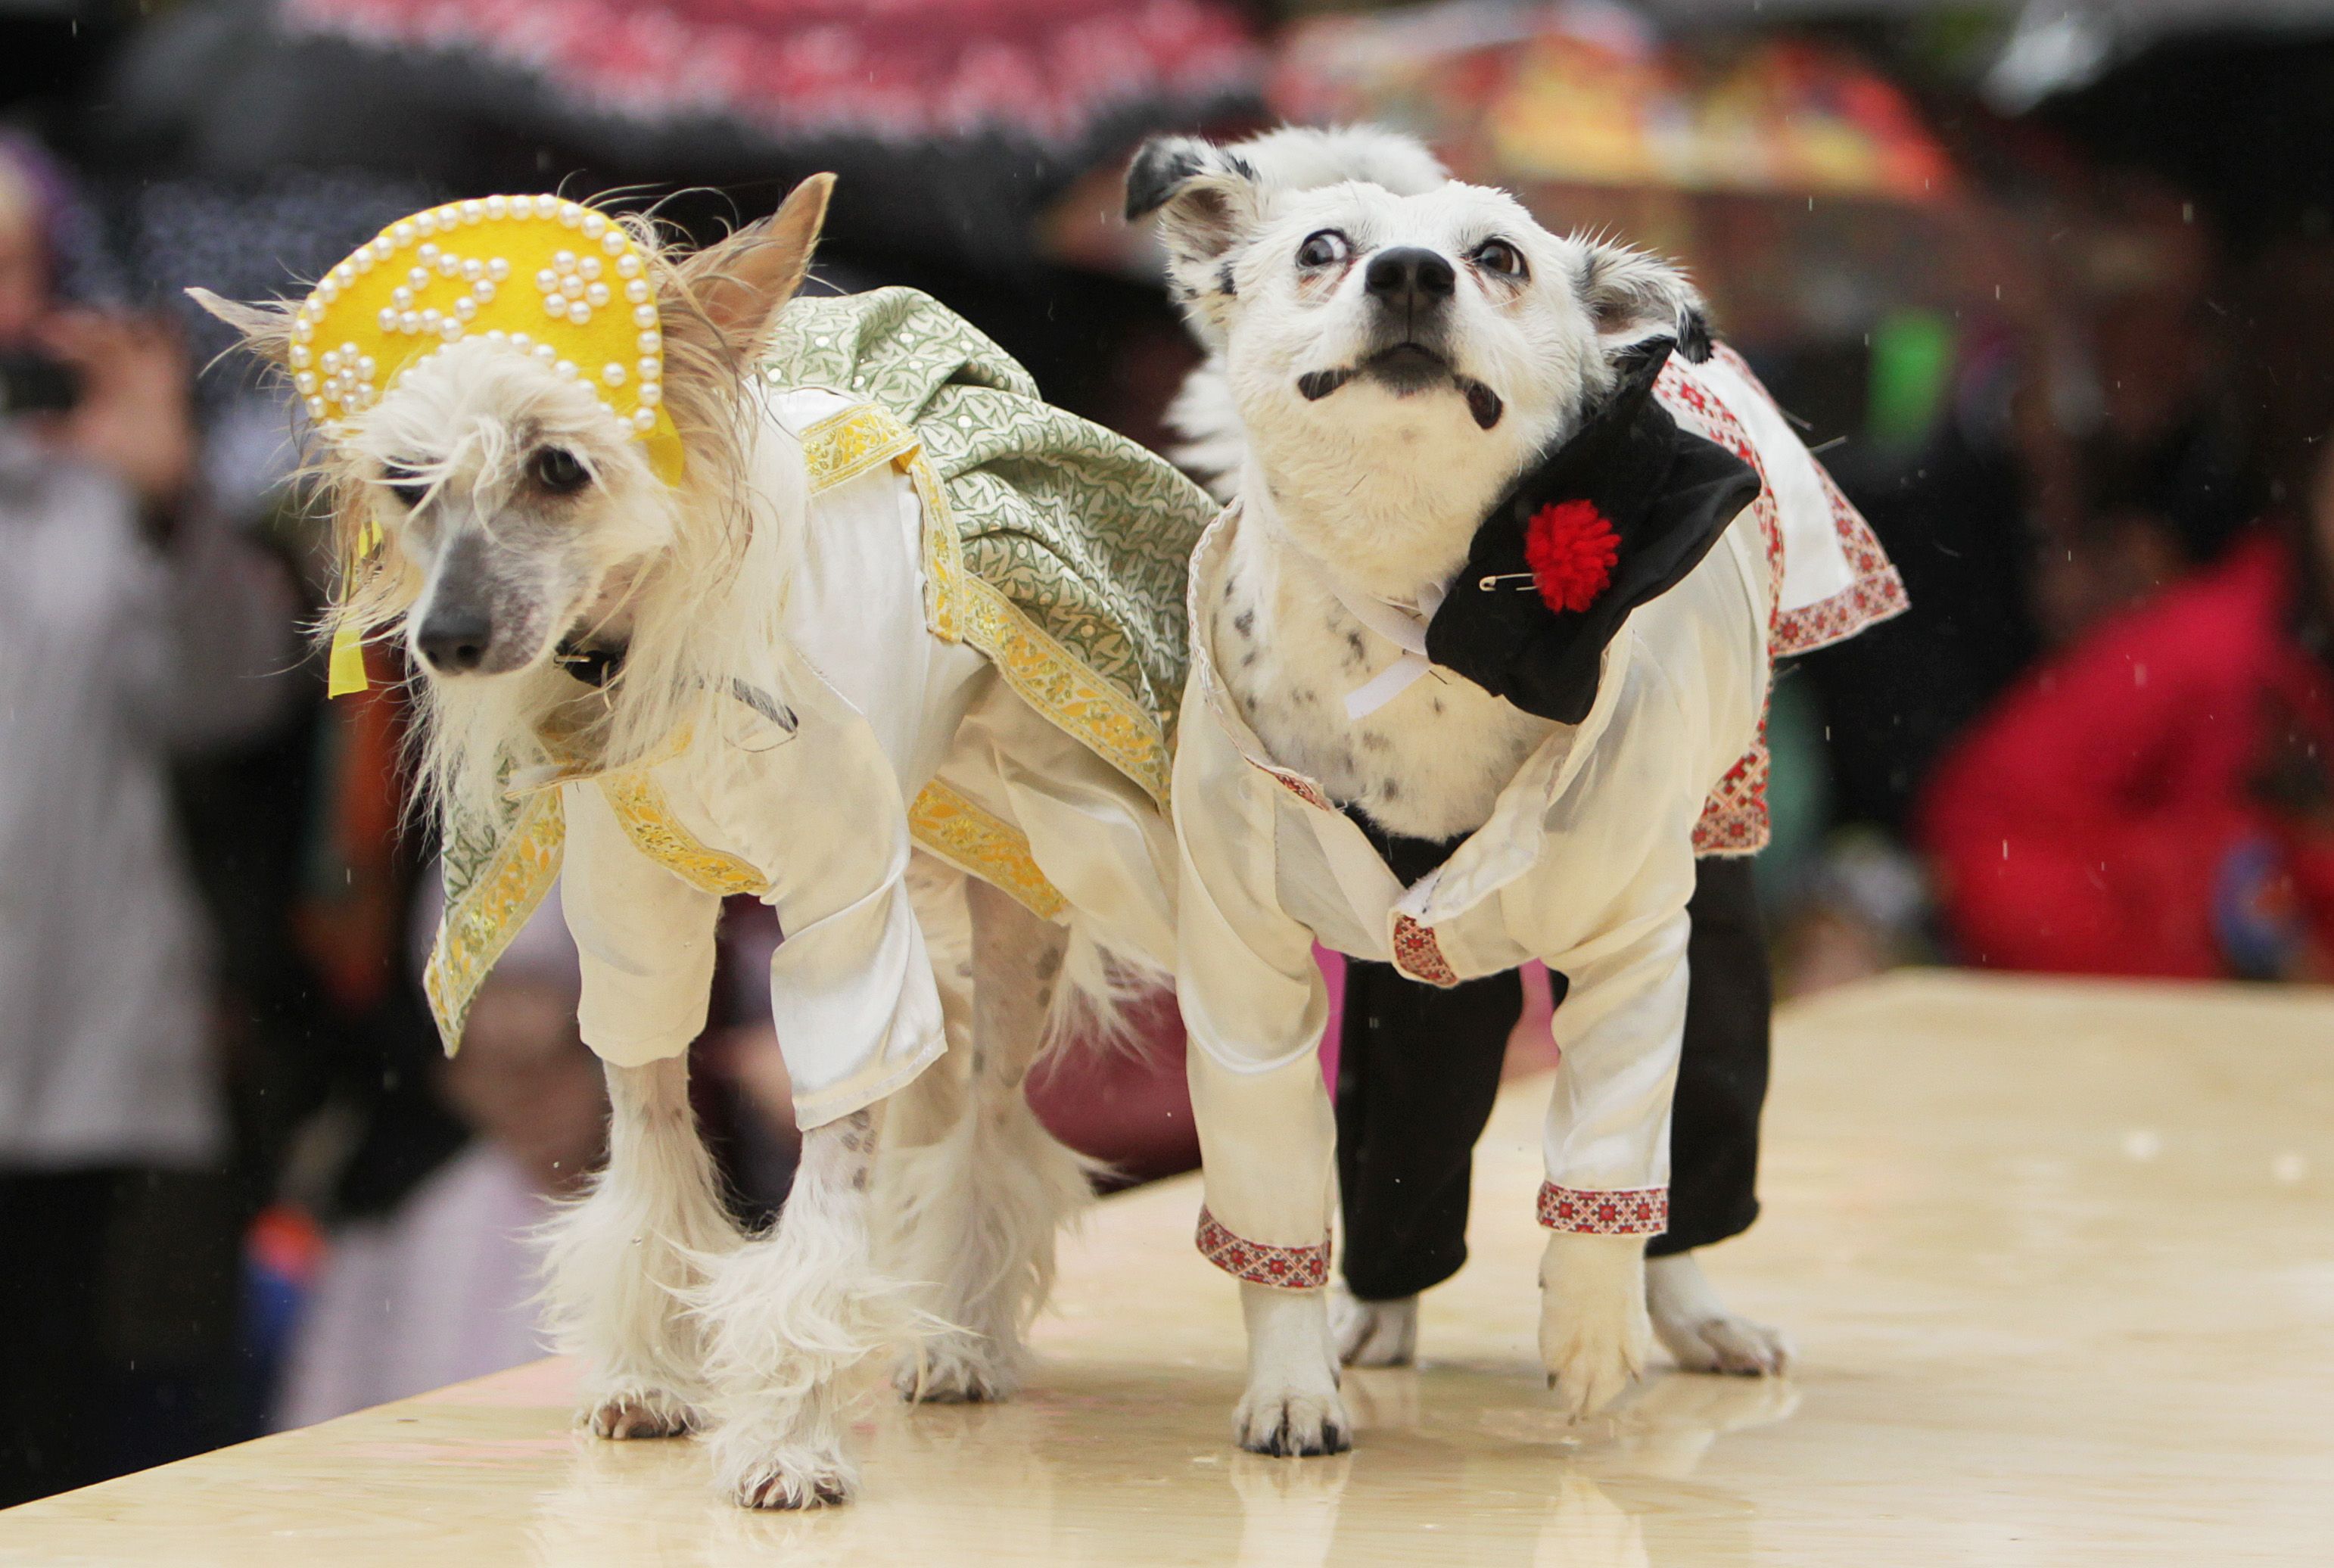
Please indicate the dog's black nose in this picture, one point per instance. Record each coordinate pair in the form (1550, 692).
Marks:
(455, 640)
(1409, 278)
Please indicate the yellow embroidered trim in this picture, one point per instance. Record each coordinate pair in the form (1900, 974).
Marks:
(943, 553)
(477, 928)
(962, 608)
(988, 846)
(647, 819)
(1050, 678)
(844, 446)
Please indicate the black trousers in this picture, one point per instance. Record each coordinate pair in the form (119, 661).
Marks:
(1419, 1066)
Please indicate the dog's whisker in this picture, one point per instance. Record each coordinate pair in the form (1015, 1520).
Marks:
(1315, 385)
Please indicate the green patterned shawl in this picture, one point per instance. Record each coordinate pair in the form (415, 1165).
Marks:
(1084, 534)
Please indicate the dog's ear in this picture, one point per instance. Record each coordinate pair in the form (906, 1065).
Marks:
(740, 282)
(1632, 296)
(1207, 199)
(1310, 157)
(266, 329)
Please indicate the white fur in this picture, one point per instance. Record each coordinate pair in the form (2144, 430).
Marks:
(1292, 1407)
(1214, 448)
(692, 582)
(618, 1260)
(977, 1187)
(1375, 490)
(944, 1245)
(786, 1316)
(1594, 1335)
(1694, 1325)
(1373, 1333)
(1389, 486)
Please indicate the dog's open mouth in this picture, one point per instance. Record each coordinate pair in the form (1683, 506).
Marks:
(1404, 369)
(1407, 368)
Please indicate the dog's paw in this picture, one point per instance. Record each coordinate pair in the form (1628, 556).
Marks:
(958, 1370)
(1291, 1408)
(1373, 1333)
(1594, 1333)
(640, 1413)
(1589, 1367)
(1694, 1325)
(1725, 1344)
(792, 1475)
(1293, 1423)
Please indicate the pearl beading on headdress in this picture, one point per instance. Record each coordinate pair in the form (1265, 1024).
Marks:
(450, 274)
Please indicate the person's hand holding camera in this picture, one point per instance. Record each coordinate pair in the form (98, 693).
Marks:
(132, 414)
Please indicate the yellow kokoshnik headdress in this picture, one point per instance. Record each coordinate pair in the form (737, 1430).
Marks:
(541, 276)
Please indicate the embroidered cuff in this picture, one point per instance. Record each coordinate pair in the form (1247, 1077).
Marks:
(1630, 1211)
(1255, 1262)
(1419, 956)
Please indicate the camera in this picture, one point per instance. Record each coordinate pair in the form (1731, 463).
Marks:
(32, 383)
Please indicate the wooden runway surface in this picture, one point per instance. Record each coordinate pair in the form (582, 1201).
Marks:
(2058, 1259)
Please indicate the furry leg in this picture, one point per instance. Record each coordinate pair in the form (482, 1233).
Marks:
(1291, 1408)
(1373, 1333)
(1594, 1336)
(1693, 1324)
(786, 1315)
(617, 1261)
(978, 1206)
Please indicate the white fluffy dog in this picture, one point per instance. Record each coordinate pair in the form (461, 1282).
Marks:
(1689, 1316)
(1389, 350)
(732, 684)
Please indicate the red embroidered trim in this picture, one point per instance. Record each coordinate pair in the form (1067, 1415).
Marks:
(1418, 955)
(1842, 616)
(1288, 1267)
(1297, 785)
(1734, 819)
(1629, 1211)
(1691, 405)
(1876, 594)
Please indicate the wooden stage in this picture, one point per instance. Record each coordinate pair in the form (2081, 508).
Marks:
(2058, 1259)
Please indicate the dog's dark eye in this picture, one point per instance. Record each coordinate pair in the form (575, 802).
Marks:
(403, 483)
(1497, 255)
(1326, 248)
(558, 470)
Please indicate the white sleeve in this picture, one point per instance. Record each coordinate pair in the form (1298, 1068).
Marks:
(1254, 1004)
(645, 939)
(851, 992)
(1618, 873)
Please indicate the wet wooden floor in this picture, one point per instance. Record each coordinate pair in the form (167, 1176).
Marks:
(2058, 1259)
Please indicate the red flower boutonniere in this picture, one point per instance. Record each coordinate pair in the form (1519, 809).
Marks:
(1572, 549)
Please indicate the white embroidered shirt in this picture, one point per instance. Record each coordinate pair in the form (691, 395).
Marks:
(1586, 863)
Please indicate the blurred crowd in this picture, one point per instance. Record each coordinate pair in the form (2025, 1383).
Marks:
(2057, 323)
